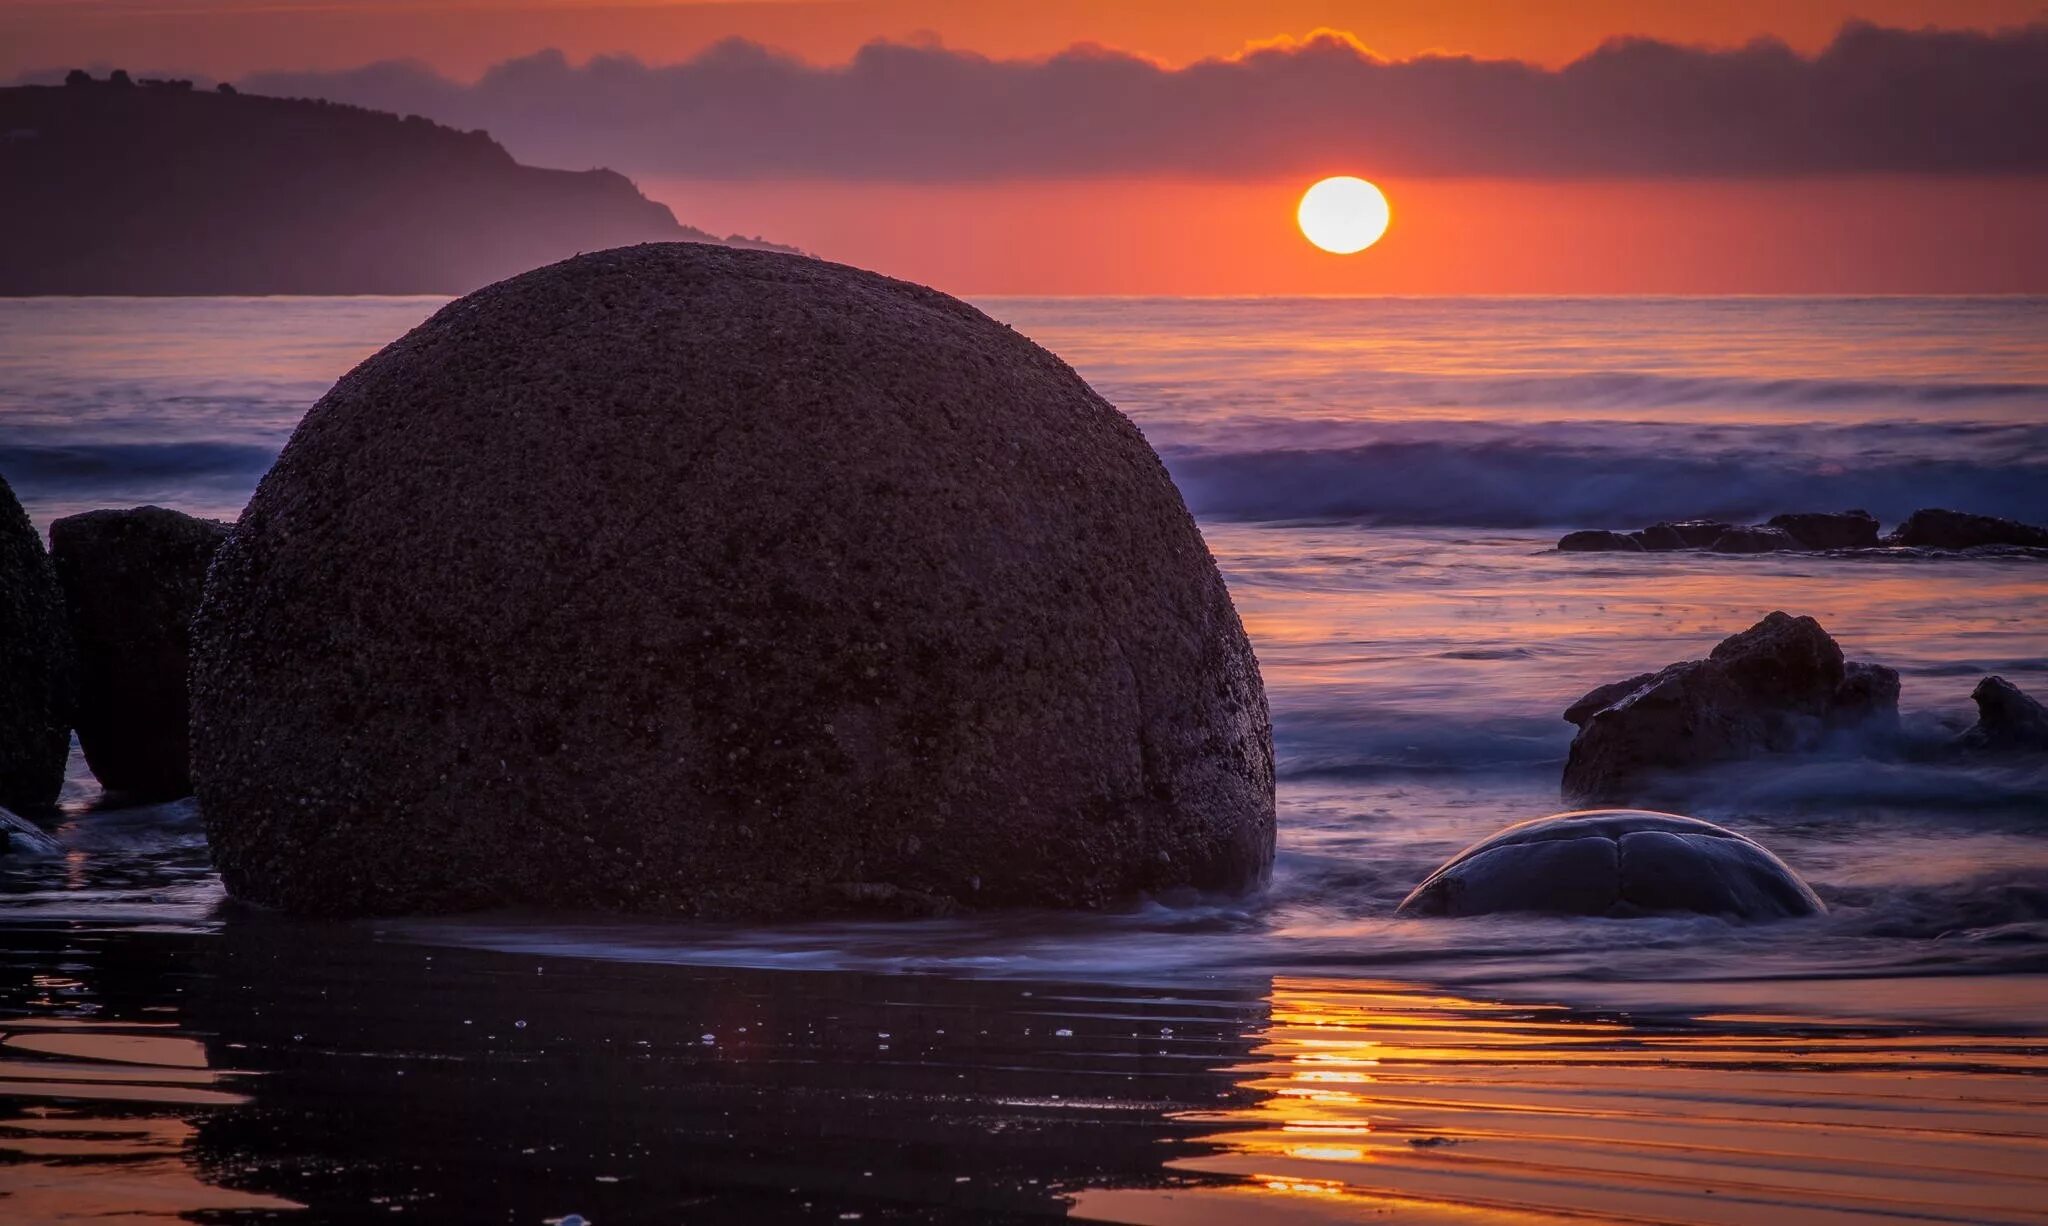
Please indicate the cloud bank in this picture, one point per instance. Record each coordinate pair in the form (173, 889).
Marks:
(1875, 100)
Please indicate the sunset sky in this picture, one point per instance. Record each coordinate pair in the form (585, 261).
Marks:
(1061, 146)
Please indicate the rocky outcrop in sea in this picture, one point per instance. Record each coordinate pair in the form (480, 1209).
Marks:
(1815, 532)
(1778, 687)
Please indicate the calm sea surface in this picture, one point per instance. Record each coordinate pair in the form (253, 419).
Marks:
(1381, 481)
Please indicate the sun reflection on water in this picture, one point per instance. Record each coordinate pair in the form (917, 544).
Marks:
(118, 1101)
(1374, 1098)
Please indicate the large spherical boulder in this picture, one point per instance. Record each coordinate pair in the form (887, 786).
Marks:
(36, 667)
(721, 582)
(132, 581)
(1617, 863)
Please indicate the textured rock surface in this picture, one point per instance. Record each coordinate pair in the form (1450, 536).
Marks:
(36, 676)
(1599, 698)
(1939, 529)
(1753, 539)
(689, 579)
(1616, 863)
(1777, 687)
(1821, 530)
(2008, 720)
(1596, 540)
(132, 581)
(1869, 694)
(1683, 534)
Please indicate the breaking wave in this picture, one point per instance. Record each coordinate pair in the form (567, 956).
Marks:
(1518, 482)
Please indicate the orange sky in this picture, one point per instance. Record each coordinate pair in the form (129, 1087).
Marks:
(462, 37)
(1218, 236)
(1849, 235)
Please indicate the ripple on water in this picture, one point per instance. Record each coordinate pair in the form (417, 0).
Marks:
(248, 1072)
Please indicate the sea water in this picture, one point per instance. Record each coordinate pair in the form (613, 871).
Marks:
(1382, 482)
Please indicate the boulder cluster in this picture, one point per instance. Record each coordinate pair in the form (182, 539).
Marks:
(1814, 531)
(94, 636)
(1781, 686)
(1778, 687)
(2008, 720)
(671, 578)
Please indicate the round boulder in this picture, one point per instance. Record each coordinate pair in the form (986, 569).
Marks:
(132, 581)
(1617, 863)
(37, 676)
(689, 579)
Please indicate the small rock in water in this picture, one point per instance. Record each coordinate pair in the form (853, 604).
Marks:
(1617, 863)
(1778, 687)
(2008, 720)
(1868, 694)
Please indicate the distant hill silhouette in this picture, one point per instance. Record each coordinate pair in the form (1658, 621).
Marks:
(120, 187)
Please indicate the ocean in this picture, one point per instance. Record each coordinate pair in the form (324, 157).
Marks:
(1382, 481)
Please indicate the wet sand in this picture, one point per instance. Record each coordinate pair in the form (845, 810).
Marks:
(279, 1071)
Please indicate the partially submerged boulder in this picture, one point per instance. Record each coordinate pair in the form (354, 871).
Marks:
(1868, 695)
(1778, 687)
(687, 579)
(2008, 720)
(36, 668)
(1821, 530)
(1617, 863)
(19, 837)
(132, 581)
(1934, 528)
(1597, 541)
(1753, 539)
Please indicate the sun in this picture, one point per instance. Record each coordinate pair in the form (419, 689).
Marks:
(1343, 215)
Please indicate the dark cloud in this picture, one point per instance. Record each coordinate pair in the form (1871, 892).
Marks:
(1875, 100)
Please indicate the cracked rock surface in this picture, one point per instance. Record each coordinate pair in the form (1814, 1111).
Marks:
(1617, 863)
